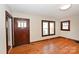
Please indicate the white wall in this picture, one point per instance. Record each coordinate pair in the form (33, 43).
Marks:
(2, 28)
(74, 28)
(35, 25)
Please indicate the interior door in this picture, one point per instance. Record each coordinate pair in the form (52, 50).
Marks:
(21, 31)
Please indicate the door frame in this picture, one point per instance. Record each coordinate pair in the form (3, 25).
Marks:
(7, 14)
(28, 28)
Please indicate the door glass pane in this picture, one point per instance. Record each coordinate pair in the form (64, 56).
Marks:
(25, 25)
(19, 24)
(22, 24)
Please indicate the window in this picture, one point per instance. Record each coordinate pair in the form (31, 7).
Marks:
(65, 25)
(45, 28)
(48, 28)
(51, 27)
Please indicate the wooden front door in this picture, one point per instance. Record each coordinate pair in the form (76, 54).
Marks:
(21, 31)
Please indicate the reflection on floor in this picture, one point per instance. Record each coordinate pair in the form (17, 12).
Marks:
(57, 45)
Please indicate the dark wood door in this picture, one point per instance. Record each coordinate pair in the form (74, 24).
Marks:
(21, 31)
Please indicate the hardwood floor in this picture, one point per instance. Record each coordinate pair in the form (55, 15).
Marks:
(58, 45)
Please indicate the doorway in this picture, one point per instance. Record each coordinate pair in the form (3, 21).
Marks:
(21, 31)
(9, 31)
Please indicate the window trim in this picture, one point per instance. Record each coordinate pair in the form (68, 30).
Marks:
(48, 27)
(68, 25)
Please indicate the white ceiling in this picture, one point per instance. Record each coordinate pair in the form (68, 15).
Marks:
(45, 9)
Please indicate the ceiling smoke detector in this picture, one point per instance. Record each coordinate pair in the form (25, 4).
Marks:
(65, 6)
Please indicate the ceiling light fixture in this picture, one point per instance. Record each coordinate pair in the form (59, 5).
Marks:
(65, 6)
